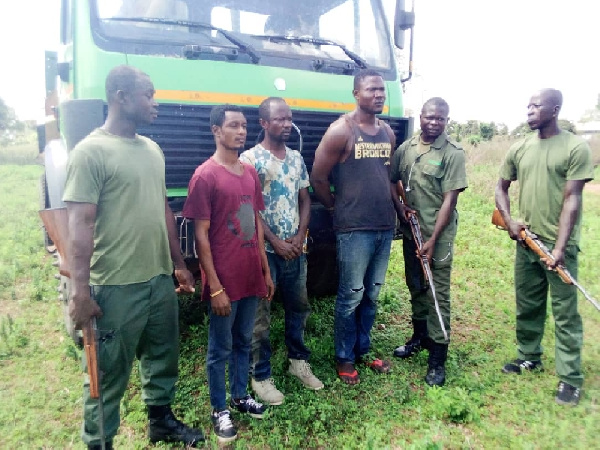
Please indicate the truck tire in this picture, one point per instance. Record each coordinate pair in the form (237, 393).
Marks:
(322, 271)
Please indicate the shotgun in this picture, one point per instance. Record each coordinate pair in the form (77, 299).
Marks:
(415, 229)
(90, 346)
(56, 224)
(532, 242)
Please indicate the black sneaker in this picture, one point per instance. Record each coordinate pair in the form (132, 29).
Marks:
(519, 365)
(567, 394)
(249, 406)
(223, 426)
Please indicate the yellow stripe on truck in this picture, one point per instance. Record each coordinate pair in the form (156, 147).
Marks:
(249, 100)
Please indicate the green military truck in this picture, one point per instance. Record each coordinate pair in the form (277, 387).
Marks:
(202, 53)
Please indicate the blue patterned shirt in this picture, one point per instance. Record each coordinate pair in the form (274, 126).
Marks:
(281, 181)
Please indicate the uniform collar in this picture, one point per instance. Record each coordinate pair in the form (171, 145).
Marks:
(437, 144)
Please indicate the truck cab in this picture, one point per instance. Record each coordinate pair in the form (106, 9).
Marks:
(199, 54)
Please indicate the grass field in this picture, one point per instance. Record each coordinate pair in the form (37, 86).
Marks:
(40, 378)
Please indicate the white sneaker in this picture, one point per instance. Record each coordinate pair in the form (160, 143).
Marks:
(267, 391)
(302, 370)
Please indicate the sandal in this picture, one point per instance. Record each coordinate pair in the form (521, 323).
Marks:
(347, 373)
(378, 365)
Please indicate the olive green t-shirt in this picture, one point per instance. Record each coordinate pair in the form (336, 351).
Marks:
(125, 179)
(427, 172)
(543, 167)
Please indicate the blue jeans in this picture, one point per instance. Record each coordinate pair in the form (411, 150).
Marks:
(229, 339)
(362, 260)
(290, 278)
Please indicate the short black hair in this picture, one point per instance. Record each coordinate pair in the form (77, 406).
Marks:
(552, 96)
(217, 113)
(437, 101)
(122, 78)
(362, 74)
(264, 109)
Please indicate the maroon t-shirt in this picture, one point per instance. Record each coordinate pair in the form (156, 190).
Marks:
(229, 201)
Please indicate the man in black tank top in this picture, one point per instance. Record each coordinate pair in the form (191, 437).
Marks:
(356, 150)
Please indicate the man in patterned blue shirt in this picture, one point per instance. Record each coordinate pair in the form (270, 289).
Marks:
(284, 181)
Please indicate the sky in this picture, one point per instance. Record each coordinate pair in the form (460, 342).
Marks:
(486, 58)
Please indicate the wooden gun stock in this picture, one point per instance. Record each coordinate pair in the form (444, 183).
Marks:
(538, 247)
(90, 346)
(534, 244)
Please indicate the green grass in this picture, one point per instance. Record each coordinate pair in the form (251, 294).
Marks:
(23, 151)
(40, 379)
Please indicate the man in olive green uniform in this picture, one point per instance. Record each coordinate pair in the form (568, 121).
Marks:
(432, 171)
(552, 166)
(123, 247)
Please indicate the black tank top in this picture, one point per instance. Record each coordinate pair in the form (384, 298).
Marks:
(362, 185)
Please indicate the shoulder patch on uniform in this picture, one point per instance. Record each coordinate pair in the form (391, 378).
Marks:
(455, 144)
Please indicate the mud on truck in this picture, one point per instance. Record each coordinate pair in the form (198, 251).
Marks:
(199, 54)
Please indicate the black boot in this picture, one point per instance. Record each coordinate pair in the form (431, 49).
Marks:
(107, 446)
(436, 372)
(416, 343)
(164, 426)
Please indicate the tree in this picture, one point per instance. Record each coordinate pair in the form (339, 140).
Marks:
(502, 129)
(7, 116)
(523, 129)
(567, 125)
(487, 130)
(471, 127)
(454, 129)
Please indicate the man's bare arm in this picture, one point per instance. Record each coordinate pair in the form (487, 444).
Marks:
(80, 246)
(568, 216)
(282, 248)
(328, 154)
(503, 205)
(220, 303)
(304, 208)
(263, 258)
(443, 219)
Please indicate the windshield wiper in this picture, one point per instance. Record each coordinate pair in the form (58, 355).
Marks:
(316, 41)
(246, 48)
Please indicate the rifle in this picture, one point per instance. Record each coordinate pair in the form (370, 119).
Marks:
(533, 243)
(415, 229)
(90, 346)
(56, 224)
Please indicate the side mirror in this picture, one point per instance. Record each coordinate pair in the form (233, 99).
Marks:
(403, 20)
(51, 71)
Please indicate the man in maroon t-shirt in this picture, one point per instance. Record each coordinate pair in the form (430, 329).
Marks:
(224, 199)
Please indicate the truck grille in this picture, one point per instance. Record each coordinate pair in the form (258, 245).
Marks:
(183, 133)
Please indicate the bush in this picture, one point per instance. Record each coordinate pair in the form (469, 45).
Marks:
(474, 139)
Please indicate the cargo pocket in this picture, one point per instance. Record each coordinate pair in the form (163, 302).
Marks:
(443, 253)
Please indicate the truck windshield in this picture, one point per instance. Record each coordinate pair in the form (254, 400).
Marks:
(352, 31)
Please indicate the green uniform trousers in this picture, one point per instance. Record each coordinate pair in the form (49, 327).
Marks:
(140, 320)
(421, 297)
(532, 281)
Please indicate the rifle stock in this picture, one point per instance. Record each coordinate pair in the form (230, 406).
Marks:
(534, 244)
(415, 229)
(90, 346)
(56, 223)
